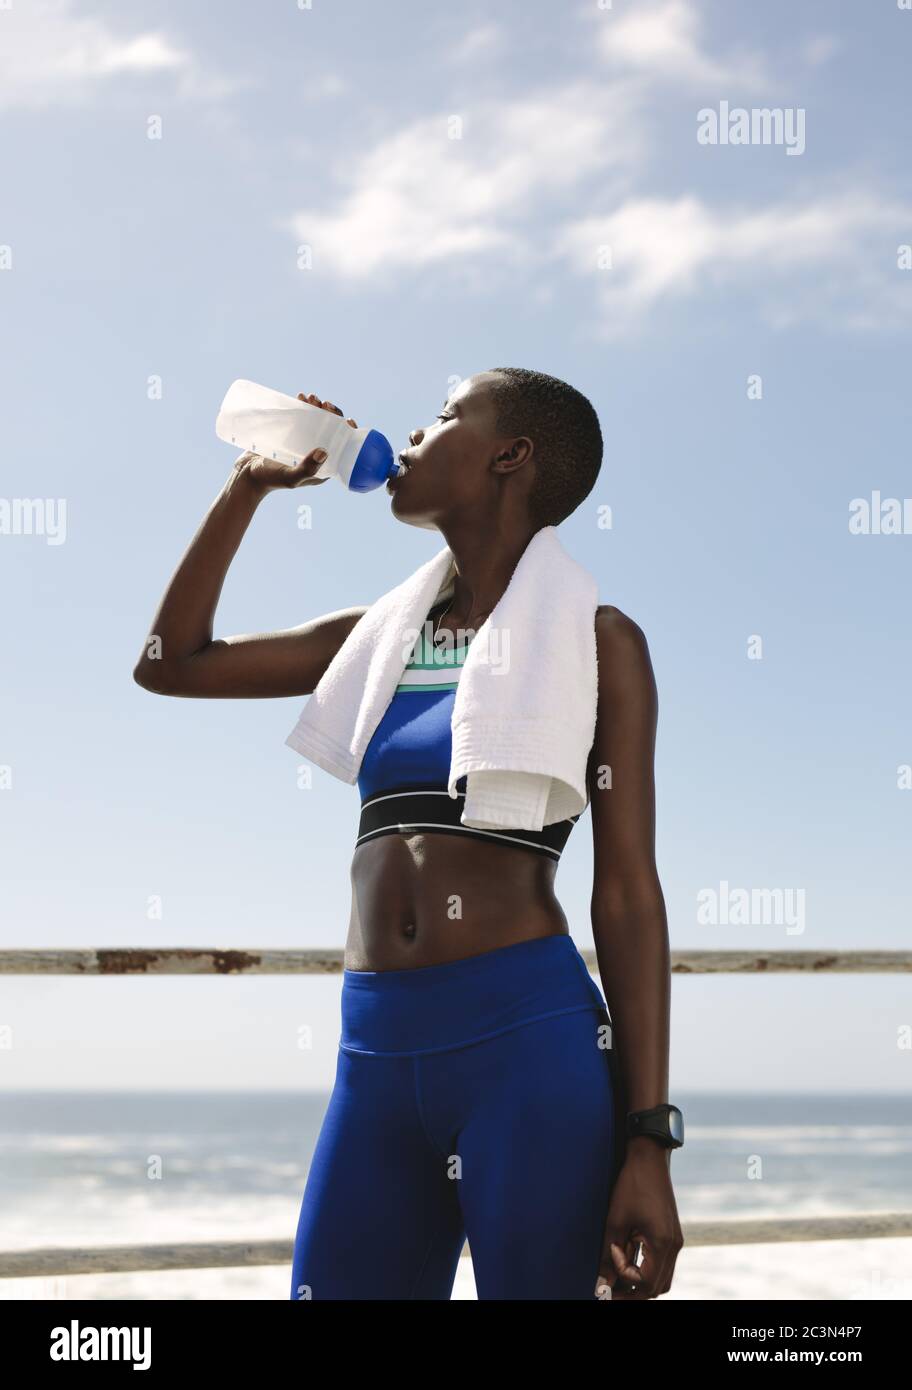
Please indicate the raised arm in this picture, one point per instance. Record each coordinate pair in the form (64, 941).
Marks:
(179, 655)
(631, 942)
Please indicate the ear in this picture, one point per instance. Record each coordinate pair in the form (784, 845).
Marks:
(516, 453)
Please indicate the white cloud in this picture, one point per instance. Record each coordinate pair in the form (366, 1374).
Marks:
(663, 41)
(51, 56)
(327, 84)
(103, 55)
(821, 49)
(480, 42)
(830, 256)
(509, 193)
(420, 197)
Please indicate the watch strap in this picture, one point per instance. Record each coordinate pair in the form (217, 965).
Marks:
(664, 1123)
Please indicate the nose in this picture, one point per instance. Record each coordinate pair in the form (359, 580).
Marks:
(416, 437)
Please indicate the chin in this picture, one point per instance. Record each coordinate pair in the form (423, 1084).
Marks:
(423, 523)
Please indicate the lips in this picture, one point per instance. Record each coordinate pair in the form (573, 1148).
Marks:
(405, 467)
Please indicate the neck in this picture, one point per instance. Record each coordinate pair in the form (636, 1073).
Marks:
(484, 568)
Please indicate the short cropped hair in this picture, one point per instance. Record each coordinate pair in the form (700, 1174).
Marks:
(564, 428)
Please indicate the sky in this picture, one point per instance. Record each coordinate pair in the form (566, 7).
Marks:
(374, 202)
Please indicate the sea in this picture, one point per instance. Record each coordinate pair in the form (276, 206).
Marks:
(96, 1168)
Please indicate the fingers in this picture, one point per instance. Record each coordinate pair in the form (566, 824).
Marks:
(311, 399)
(629, 1282)
(663, 1254)
(303, 471)
(618, 1277)
(670, 1262)
(650, 1279)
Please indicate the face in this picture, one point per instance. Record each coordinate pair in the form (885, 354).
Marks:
(449, 461)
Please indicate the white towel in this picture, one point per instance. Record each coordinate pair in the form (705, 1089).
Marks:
(524, 715)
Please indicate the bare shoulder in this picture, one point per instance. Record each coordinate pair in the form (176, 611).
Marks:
(623, 656)
(617, 627)
(617, 634)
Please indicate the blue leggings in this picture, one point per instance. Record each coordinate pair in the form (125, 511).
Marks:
(473, 1100)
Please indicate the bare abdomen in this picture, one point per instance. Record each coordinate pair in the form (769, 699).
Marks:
(427, 898)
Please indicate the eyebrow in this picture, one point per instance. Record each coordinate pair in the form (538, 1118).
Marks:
(447, 406)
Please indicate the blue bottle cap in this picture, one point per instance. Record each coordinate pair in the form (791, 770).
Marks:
(374, 464)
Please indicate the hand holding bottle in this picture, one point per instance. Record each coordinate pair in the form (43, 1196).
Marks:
(288, 434)
(269, 474)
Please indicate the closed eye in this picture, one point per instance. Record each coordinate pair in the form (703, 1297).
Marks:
(444, 417)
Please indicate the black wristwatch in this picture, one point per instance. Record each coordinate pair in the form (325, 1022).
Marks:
(665, 1123)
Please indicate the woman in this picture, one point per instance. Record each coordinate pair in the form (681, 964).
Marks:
(479, 1093)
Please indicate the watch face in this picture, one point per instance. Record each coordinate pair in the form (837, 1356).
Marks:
(676, 1125)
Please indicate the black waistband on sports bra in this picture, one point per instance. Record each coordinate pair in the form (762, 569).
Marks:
(414, 808)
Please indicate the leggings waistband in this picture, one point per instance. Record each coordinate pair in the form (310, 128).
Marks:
(438, 1007)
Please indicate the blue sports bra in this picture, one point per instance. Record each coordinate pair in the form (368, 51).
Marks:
(406, 766)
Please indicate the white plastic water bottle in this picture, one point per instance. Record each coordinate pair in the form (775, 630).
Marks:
(261, 421)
